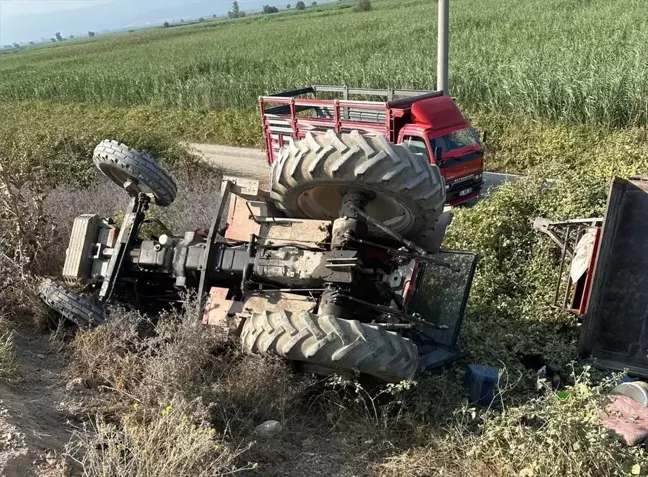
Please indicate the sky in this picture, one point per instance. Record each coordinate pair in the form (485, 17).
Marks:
(32, 20)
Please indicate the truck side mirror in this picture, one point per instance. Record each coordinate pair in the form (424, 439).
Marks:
(438, 153)
(484, 137)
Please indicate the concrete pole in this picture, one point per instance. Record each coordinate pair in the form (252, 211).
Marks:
(443, 45)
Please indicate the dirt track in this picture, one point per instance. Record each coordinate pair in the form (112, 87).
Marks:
(34, 419)
(235, 161)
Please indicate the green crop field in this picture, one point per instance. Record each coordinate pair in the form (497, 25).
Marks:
(551, 79)
(573, 60)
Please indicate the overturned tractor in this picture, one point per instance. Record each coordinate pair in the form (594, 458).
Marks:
(338, 266)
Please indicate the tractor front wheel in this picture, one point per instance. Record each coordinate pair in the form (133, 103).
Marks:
(122, 164)
(81, 310)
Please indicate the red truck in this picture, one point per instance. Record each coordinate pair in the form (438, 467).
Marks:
(429, 122)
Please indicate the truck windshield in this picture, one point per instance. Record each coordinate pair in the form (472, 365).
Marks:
(455, 140)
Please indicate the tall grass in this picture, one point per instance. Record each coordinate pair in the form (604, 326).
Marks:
(581, 61)
(7, 351)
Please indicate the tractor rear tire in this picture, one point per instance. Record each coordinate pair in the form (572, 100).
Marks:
(331, 343)
(311, 175)
(79, 309)
(120, 164)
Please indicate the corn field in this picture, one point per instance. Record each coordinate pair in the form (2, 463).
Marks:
(579, 61)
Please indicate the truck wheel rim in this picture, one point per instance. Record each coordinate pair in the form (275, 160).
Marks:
(120, 177)
(324, 202)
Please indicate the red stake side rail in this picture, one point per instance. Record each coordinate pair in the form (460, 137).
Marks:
(285, 116)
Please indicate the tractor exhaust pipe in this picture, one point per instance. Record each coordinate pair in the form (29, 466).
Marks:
(443, 30)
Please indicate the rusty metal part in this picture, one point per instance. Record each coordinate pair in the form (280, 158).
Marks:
(278, 301)
(249, 216)
(208, 253)
(241, 186)
(567, 234)
(221, 312)
(302, 232)
(240, 217)
(376, 223)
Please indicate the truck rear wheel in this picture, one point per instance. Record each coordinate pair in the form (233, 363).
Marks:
(327, 342)
(311, 176)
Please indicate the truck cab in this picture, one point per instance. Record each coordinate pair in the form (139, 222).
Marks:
(439, 131)
(429, 122)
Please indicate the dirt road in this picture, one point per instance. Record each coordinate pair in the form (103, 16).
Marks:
(252, 163)
(34, 421)
(234, 161)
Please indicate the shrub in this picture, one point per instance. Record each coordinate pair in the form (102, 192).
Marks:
(171, 440)
(151, 364)
(300, 5)
(146, 362)
(363, 6)
(255, 389)
(552, 435)
(28, 239)
(110, 355)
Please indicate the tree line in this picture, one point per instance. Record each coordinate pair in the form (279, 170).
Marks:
(57, 38)
(235, 12)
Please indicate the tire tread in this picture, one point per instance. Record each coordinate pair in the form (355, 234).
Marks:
(331, 342)
(371, 162)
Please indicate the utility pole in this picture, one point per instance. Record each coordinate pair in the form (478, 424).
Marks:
(443, 45)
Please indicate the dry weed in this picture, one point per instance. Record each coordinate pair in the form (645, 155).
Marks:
(110, 355)
(182, 357)
(174, 440)
(179, 356)
(149, 363)
(194, 207)
(7, 352)
(27, 238)
(251, 389)
(177, 360)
